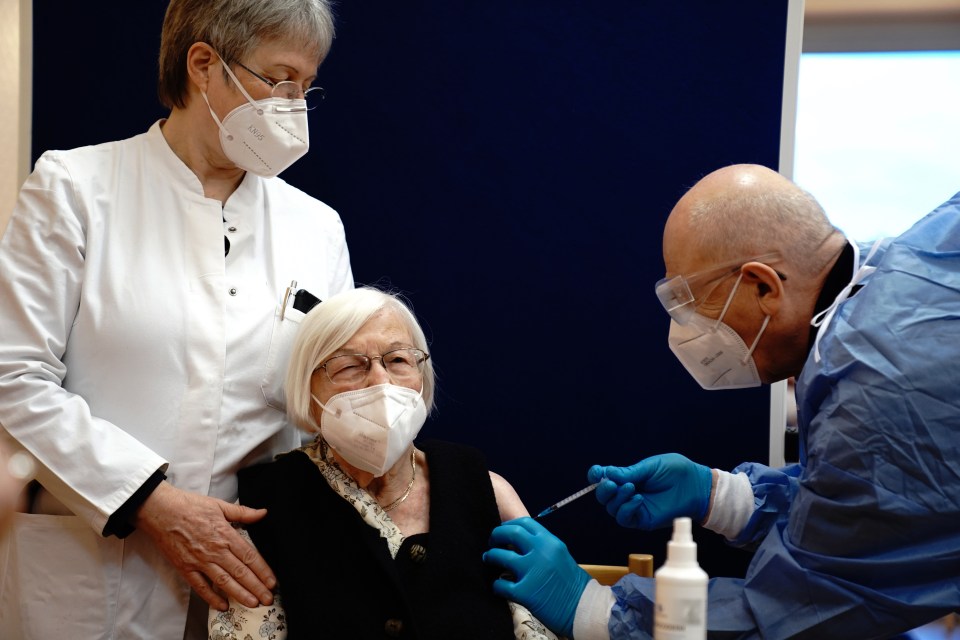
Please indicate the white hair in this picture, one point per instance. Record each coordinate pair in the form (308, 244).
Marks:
(329, 326)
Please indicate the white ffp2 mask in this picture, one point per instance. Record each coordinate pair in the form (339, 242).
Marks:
(372, 427)
(263, 136)
(713, 353)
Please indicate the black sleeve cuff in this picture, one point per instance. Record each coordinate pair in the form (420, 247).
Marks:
(119, 523)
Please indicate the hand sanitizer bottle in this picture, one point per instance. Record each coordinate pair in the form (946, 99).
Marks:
(680, 611)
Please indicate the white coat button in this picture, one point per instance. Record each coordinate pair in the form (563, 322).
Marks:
(232, 229)
(233, 291)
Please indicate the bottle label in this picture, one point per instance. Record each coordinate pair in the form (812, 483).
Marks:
(682, 616)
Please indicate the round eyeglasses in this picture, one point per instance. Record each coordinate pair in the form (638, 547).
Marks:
(402, 365)
(289, 90)
(676, 293)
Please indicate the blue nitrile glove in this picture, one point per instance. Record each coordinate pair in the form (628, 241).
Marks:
(651, 493)
(547, 580)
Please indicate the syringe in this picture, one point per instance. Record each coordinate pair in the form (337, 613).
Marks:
(567, 500)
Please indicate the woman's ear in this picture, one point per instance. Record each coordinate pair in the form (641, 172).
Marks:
(769, 284)
(201, 58)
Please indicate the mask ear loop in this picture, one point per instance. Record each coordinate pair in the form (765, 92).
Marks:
(324, 407)
(729, 300)
(223, 129)
(239, 86)
(419, 397)
(726, 306)
(753, 346)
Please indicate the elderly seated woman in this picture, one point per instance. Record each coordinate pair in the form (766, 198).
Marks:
(369, 534)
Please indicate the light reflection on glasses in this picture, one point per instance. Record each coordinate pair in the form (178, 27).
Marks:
(676, 293)
(289, 90)
(402, 365)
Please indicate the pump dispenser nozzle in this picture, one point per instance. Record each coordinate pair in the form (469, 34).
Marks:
(682, 549)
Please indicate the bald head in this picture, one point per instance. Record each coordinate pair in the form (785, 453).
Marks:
(735, 215)
(745, 210)
(740, 179)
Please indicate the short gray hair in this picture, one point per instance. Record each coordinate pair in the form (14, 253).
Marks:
(235, 28)
(329, 326)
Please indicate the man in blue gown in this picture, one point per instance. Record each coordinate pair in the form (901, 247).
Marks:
(861, 538)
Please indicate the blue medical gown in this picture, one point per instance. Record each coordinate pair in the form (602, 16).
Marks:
(861, 539)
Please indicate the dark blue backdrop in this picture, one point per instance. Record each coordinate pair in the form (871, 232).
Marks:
(509, 166)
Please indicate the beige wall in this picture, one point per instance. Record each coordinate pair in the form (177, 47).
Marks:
(881, 25)
(880, 8)
(16, 71)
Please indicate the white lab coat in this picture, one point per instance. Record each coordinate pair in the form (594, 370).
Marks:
(128, 343)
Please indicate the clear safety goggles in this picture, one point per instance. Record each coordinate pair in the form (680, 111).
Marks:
(676, 293)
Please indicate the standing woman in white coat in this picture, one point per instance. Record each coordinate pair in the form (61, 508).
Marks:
(144, 325)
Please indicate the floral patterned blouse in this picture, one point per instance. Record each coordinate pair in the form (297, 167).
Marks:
(269, 622)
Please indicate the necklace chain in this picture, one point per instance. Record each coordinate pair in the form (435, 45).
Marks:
(413, 477)
(406, 494)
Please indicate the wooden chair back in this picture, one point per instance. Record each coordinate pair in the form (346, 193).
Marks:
(640, 564)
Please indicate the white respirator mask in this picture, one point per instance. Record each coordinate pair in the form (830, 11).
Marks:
(372, 427)
(265, 136)
(713, 353)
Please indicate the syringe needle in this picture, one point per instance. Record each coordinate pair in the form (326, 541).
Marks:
(566, 500)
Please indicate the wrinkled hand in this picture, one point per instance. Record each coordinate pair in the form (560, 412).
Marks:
(651, 493)
(195, 534)
(548, 581)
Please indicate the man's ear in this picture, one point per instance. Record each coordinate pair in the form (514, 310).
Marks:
(769, 286)
(201, 58)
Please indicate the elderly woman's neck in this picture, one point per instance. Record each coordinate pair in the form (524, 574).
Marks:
(393, 481)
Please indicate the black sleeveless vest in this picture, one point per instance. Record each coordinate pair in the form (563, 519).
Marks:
(336, 576)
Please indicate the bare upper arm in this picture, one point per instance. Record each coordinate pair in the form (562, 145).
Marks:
(508, 502)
